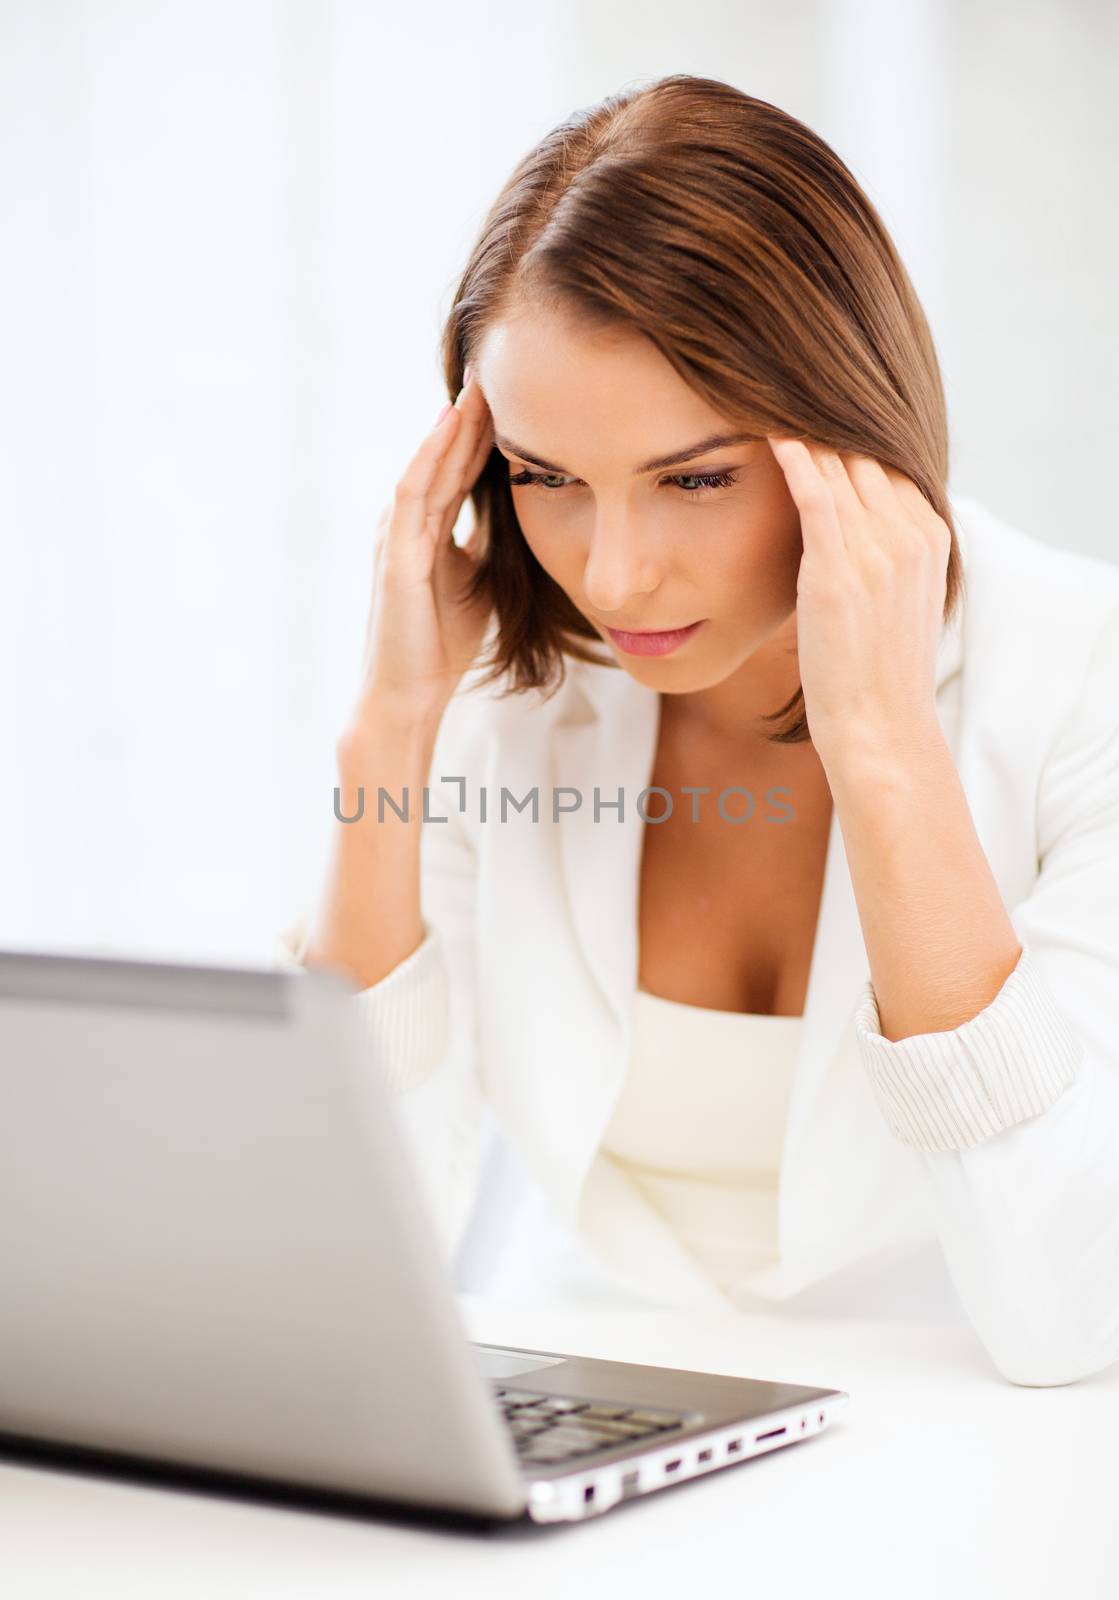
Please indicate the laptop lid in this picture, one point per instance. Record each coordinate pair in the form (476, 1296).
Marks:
(213, 1248)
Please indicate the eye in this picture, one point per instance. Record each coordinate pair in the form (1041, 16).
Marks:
(689, 483)
(525, 478)
(705, 480)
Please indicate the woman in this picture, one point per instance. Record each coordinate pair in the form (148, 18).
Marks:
(805, 949)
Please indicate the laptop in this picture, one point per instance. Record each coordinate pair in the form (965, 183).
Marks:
(217, 1256)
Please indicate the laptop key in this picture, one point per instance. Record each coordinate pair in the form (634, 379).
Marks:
(620, 1430)
(578, 1439)
(545, 1450)
(654, 1419)
(558, 1453)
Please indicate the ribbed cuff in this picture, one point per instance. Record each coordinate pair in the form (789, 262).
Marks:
(405, 1019)
(952, 1090)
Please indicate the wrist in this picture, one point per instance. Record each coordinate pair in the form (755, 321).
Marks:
(386, 742)
(867, 750)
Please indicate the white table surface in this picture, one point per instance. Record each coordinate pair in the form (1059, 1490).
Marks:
(944, 1481)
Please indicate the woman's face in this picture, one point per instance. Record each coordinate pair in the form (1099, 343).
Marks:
(596, 427)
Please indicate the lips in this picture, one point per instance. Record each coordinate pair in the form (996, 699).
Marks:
(647, 643)
(653, 632)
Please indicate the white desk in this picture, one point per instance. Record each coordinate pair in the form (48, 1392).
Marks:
(944, 1481)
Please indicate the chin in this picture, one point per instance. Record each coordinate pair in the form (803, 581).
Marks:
(669, 676)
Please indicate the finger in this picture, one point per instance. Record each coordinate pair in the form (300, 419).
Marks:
(407, 523)
(450, 479)
(821, 528)
(920, 511)
(481, 455)
(445, 528)
(832, 468)
(870, 483)
(482, 438)
(914, 513)
(878, 535)
(886, 521)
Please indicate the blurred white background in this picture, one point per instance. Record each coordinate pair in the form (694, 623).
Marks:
(229, 234)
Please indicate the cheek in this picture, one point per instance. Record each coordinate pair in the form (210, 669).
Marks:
(758, 565)
(785, 550)
(545, 539)
(532, 536)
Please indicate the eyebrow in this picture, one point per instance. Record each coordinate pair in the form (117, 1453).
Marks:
(716, 441)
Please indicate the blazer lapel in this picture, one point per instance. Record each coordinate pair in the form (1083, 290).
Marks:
(839, 1160)
(607, 740)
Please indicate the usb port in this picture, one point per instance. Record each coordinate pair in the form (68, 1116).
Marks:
(734, 1447)
(774, 1433)
(704, 1455)
(671, 1466)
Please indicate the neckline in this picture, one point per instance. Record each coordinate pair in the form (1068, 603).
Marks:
(711, 1011)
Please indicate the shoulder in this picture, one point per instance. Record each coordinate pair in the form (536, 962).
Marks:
(1037, 618)
(1065, 586)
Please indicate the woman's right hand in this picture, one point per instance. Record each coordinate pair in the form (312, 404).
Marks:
(422, 634)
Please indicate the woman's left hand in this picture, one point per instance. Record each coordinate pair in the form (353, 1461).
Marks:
(870, 598)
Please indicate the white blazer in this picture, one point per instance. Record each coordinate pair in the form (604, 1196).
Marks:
(1000, 1138)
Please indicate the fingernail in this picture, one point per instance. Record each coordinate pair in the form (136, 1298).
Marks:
(444, 408)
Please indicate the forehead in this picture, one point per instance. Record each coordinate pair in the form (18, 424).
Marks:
(562, 387)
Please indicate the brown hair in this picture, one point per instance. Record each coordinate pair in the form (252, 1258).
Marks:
(736, 240)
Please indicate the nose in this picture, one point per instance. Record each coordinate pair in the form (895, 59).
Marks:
(621, 564)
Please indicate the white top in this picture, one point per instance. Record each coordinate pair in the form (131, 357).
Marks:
(699, 1127)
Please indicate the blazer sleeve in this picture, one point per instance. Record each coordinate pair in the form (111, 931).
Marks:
(419, 1022)
(1014, 1115)
(403, 1018)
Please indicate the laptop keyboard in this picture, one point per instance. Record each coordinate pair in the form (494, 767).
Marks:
(548, 1428)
